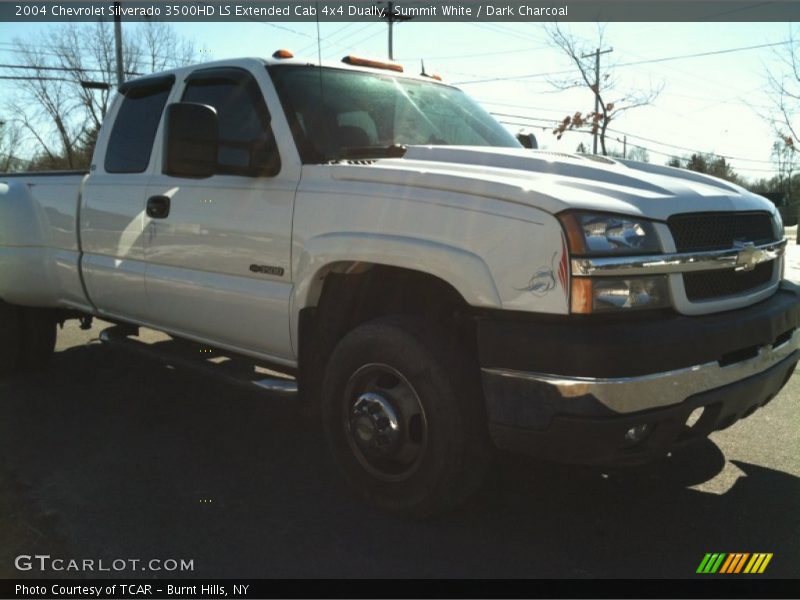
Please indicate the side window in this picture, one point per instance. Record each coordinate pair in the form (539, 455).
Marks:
(246, 145)
(131, 139)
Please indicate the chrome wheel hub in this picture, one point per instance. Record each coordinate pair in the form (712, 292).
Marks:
(384, 421)
(374, 424)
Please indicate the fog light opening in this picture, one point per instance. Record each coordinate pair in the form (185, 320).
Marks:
(636, 435)
(695, 416)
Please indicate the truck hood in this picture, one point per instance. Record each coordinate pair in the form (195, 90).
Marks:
(554, 181)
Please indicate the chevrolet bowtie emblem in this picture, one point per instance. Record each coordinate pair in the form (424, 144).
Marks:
(749, 257)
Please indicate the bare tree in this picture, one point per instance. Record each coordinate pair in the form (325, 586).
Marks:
(639, 153)
(608, 109)
(785, 158)
(68, 77)
(162, 49)
(45, 105)
(10, 137)
(87, 55)
(784, 83)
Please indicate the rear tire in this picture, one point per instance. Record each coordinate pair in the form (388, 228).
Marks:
(404, 418)
(10, 333)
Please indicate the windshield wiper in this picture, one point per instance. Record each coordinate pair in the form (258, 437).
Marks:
(358, 152)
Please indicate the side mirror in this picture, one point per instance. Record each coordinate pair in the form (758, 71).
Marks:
(191, 140)
(528, 140)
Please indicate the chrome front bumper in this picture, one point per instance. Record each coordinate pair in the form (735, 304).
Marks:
(634, 394)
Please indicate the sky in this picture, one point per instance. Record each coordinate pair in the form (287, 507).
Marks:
(715, 103)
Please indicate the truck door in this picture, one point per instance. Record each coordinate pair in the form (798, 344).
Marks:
(113, 204)
(218, 249)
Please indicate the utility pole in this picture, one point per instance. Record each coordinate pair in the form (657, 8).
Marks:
(390, 19)
(596, 54)
(625, 147)
(118, 43)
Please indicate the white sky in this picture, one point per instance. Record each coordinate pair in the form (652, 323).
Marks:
(718, 103)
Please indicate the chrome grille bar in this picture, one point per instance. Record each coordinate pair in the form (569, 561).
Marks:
(745, 258)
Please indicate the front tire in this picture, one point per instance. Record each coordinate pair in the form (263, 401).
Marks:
(404, 416)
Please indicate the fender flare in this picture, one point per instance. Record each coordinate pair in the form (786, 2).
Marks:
(465, 271)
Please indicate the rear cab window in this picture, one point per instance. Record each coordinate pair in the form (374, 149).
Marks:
(131, 141)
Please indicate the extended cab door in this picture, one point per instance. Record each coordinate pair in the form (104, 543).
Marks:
(112, 210)
(218, 249)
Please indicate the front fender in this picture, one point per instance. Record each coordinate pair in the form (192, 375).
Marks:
(465, 271)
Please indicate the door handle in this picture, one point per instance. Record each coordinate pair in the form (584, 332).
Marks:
(158, 207)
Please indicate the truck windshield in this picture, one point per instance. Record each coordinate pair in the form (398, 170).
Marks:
(333, 112)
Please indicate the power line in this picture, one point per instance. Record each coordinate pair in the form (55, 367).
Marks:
(68, 69)
(639, 62)
(327, 39)
(541, 108)
(700, 54)
(739, 158)
(14, 47)
(503, 30)
(514, 77)
(652, 150)
(688, 160)
(476, 55)
(355, 44)
(268, 24)
(336, 45)
(23, 78)
(527, 106)
(632, 135)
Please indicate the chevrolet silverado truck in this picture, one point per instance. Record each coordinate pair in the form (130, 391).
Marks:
(428, 287)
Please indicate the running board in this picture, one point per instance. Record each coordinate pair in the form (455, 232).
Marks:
(211, 362)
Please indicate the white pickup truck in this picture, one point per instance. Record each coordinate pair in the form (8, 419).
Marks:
(433, 287)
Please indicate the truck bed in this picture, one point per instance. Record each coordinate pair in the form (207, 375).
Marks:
(39, 249)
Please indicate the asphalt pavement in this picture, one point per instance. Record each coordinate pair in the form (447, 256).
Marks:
(110, 456)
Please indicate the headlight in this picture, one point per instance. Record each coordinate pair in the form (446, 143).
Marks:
(595, 234)
(611, 294)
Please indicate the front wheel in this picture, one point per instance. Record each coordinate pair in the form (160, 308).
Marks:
(404, 417)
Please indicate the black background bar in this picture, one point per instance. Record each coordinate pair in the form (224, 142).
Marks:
(427, 11)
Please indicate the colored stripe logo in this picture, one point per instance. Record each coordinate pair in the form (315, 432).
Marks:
(563, 270)
(734, 563)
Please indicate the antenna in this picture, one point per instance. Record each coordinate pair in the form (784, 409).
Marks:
(319, 54)
(319, 44)
(319, 62)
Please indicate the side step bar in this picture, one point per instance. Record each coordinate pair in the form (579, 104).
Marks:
(189, 355)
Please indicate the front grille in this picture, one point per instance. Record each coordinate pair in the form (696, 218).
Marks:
(694, 232)
(705, 285)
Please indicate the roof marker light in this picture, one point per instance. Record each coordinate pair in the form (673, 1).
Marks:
(282, 53)
(375, 64)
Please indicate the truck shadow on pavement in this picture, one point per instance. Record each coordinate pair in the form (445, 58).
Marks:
(110, 456)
